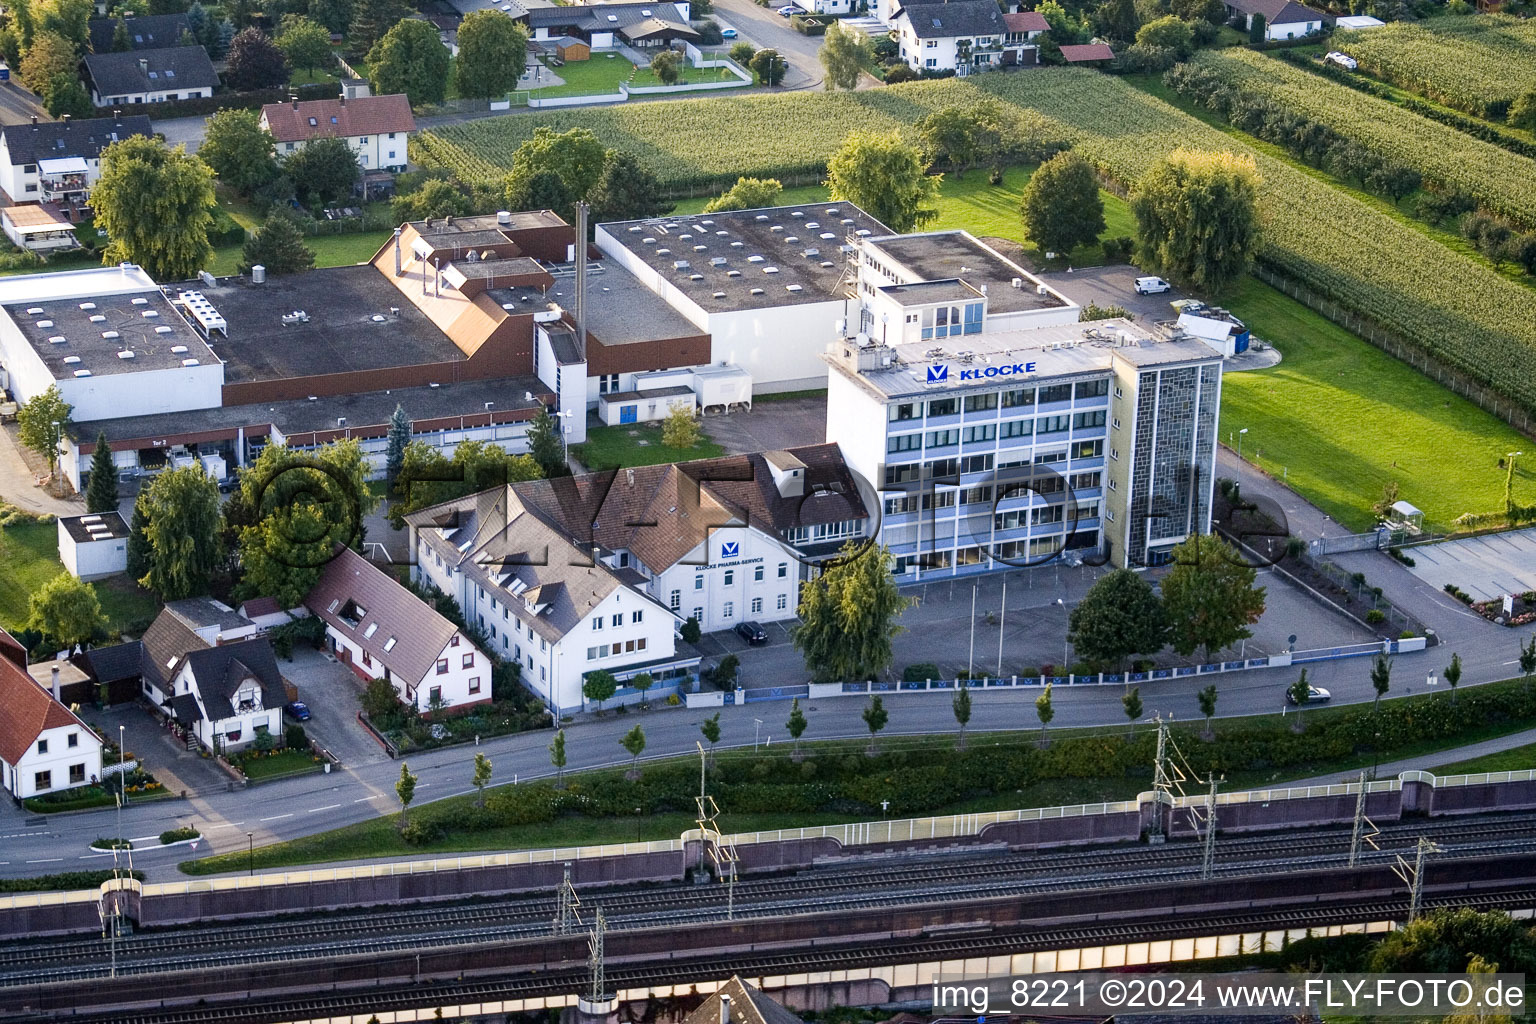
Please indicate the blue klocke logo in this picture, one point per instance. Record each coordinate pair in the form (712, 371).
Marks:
(730, 549)
(938, 373)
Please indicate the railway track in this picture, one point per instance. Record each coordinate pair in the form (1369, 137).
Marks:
(820, 890)
(681, 970)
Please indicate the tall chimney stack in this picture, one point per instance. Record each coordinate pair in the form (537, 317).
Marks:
(581, 279)
(397, 252)
(725, 1009)
(54, 688)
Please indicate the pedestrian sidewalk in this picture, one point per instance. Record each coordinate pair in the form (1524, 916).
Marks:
(1426, 762)
(18, 482)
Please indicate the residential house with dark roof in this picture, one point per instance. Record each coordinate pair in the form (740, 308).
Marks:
(381, 630)
(149, 76)
(374, 127)
(605, 26)
(1021, 29)
(955, 35)
(542, 599)
(1283, 19)
(44, 747)
(225, 691)
(145, 32)
(740, 1002)
(59, 161)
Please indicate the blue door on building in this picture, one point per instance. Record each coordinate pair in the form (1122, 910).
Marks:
(627, 414)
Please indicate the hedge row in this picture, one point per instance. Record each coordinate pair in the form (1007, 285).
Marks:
(203, 106)
(934, 776)
(61, 881)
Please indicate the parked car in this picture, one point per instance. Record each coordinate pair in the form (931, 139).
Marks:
(1315, 695)
(297, 709)
(727, 33)
(751, 632)
(788, 11)
(1343, 60)
(1151, 286)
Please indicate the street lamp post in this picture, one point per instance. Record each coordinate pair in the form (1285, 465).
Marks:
(1240, 434)
(250, 852)
(1066, 657)
(122, 768)
(565, 429)
(757, 727)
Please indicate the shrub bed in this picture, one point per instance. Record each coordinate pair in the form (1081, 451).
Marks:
(62, 881)
(178, 835)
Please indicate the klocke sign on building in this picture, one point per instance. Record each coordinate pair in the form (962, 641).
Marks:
(938, 373)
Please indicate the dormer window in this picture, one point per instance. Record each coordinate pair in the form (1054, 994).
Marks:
(352, 613)
(248, 697)
(313, 123)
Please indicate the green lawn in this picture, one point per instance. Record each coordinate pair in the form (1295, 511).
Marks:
(599, 76)
(985, 210)
(1339, 419)
(279, 762)
(645, 78)
(1513, 760)
(329, 250)
(29, 557)
(618, 447)
(319, 76)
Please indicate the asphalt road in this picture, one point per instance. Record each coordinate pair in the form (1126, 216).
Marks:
(764, 27)
(18, 105)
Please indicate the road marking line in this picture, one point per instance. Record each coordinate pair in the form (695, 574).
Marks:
(46, 860)
(363, 800)
(277, 817)
(328, 807)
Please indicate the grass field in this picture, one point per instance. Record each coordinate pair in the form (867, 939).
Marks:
(973, 204)
(282, 762)
(380, 837)
(1513, 760)
(636, 445)
(329, 250)
(29, 557)
(1338, 419)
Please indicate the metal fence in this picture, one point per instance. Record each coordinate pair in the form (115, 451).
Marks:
(1397, 620)
(1485, 398)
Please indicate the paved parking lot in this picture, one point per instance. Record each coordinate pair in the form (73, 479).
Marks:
(163, 755)
(334, 696)
(786, 423)
(1112, 286)
(1485, 567)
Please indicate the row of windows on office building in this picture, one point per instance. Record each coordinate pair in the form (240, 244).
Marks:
(728, 608)
(1019, 430)
(940, 471)
(986, 401)
(1034, 549)
(936, 533)
(985, 494)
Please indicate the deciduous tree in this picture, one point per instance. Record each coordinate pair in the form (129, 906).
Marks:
(1528, 658)
(962, 137)
(306, 43)
(1170, 32)
(435, 200)
(681, 427)
(184, 529)
(710, 727)
(155, 204)
(493, 53)
(239, 150)
(50, 54)
(371, 19)
(1118, 618)
(665, 65)
(1445, 940)
(101, 492)
(575, 156)
(634, 742)
(643, 682)
(1381, 678)
(427, 478)
(1209, 596)
(1131, 703)
(481, 777)
(542, 191)
(796, 724)
(66, 611)
(1298, 693)
(848, 616)
(747, 194)
(405, 789)
(1207, 699)
(844, 52)
(875, 718)
(410, 59)
(598, 686)
(1453, 674)
(255, 62)
(961, 705)
(1196, 217)
(557, 757)
(1044, 710)
(42, 423)
(886, 177)
(323, 171)
(66, 96)
(768, 66)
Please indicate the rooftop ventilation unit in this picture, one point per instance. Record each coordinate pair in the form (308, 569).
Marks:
(162, 329)
(126, 353)
(722, 233)
(760, 218)
(777, 227)
(189, 362)
(649, 240)
(797, 213)
(82, 373)
(679, 264)
(707, 223)
(792, 239)
(685, 238)
(71, 360)
(733, 273)
(812, 252)
(792, 288)
(770, 270)
(695, 277)
(754, 259)
(700, 248)
(812, 225)
(34, 311)
(43, 325)
(863, 232)
(110, 335)
(717, 261)
(98, 319)
(826, 236)
(1017, 282)
(827, 264)
(636, 229)
(149, 314)
(57, 339)
(738, 245)
(177, 350)
(757, 291)
(663, 252)
(1041, 289)
(141, 301)
(719, 295)
(87, 305)
(298, 316)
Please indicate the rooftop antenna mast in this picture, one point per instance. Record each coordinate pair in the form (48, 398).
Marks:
(581, 279)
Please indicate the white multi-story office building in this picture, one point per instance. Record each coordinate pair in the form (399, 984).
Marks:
(1005, 449)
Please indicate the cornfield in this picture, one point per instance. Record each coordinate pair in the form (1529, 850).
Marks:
(698, 146)
(1500, 181)
(1476, 63)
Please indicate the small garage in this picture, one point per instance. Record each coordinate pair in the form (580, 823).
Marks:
(624, 407)
(93, 547)
(569, 49)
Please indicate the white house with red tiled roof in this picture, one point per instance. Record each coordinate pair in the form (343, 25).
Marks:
(375, 127)
(44, 747)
